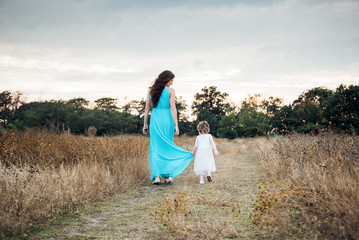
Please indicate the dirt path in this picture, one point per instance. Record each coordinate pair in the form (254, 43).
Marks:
(127, 216)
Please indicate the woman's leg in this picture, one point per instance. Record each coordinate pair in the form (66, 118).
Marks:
(168, 179)
(157, 180)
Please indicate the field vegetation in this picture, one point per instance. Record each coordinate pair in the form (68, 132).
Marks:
(309, 190)
(313, 189)
(44, 173)
(308, 186)
(314, 110)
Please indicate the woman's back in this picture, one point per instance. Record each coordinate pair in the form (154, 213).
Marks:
(164, 101)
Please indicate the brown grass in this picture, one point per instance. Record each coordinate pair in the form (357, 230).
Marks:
(192, 216)
(314, 191)
(209, 211)
(43, 173)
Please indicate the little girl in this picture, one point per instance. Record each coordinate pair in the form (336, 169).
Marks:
(204, 148)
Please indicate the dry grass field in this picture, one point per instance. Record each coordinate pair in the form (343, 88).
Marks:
(297, 186)
(182, 210)
(313, 189)
(43, 173)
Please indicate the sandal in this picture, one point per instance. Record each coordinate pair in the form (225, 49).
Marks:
(209, 178)
(156, 181)
(168, 180)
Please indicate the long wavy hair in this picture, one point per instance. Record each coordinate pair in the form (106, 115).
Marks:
(159, 84)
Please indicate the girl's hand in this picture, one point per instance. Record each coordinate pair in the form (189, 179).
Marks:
(145, 129)
(176, 131)
(216, 153)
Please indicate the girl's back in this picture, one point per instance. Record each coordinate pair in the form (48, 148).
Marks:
(204, 141)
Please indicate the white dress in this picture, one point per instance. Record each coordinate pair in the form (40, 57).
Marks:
(204, 161)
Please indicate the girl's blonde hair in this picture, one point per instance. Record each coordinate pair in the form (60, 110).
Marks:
(203, 127)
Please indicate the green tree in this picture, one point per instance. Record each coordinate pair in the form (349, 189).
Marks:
(9, 104)
(313, 103)
(183, 119)
(308, 116)
(302, 117)
(211, 99)
(252, 123)
(319, 96)
(305, 114)
(271, 105)
(78, 103)
(209, 103)
(50, 114)
(284, 120)
(228, 126)
(343, 111)
(252, 117)
(5, 103)
(139, 107)
(106, 104)
(206, 115)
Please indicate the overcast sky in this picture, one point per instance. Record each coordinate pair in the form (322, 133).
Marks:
(98, 48)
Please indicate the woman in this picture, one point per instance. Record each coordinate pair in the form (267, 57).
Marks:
(167, 159)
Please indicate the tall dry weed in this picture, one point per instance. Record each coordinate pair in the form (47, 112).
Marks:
(42, 173)
(315, 186)
(194, 217)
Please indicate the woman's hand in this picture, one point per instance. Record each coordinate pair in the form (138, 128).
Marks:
(176, 131)
(145, 129)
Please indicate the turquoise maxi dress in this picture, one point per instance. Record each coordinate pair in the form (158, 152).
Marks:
(166, 158)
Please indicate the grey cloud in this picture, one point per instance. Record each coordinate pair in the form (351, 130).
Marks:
(203, 42)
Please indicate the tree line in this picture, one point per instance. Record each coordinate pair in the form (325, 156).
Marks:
(317, 109)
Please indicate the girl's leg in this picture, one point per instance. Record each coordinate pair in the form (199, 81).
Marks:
(201, 179)
(209, 178)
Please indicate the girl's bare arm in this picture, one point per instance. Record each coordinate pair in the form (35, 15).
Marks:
(195, 147)
(213, 144)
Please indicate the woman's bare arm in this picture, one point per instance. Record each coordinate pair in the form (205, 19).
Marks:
(147, 110)
(174, 110)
